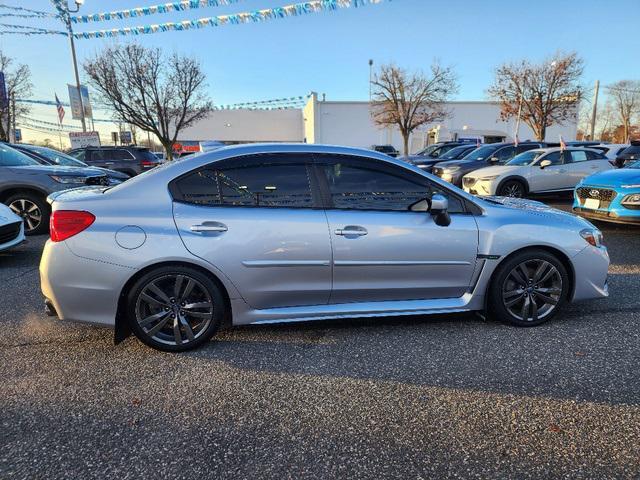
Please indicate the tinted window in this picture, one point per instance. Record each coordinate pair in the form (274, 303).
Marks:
(119, 155)
(595, 156)
(505, 154)
(358, 187)
(556, 158)
(146, 155)
(526, 148)
(57, 157)
(79, 154)
(12, 158)
(578, 156)
(633, 149)
(482, 153)
(251, 186)
(97, 155)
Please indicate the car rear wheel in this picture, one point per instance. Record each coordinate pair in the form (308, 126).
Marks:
(175, 308)
(512, 188)
(34, 211)
(528, 289)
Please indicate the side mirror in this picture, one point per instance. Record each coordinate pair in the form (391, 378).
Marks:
(544, 164)
(439, 210)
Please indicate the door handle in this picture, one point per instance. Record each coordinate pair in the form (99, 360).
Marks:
(351, 231)
(204, 228)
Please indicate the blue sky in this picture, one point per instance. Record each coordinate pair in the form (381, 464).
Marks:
(329, 52)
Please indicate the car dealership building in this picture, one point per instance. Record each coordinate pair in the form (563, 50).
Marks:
(349, 123)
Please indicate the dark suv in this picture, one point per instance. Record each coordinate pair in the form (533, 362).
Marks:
(491, 154)
(128, 160)
(629, 155)
(388, 149)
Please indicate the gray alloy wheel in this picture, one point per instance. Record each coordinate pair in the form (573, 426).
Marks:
(512, 189)
(532, 290)
(174, 310)
(30, 212)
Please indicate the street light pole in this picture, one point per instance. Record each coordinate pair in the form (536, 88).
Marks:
(67, 19)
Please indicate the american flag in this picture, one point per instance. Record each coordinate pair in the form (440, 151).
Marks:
(60, 109)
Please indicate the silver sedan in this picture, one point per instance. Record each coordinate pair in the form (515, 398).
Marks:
(270, 233)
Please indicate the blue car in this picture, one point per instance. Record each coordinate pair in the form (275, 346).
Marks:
(611, 196)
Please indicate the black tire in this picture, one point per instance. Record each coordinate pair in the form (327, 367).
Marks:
(512, 188)
(201, 329)
(504, 289)
(36, 222)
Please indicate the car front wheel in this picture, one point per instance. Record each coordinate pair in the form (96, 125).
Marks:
(528, 289)
(175, 308)
(34, 212)
(512, 188)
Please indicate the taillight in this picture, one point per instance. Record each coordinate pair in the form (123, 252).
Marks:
(67, 223)
(147, 163)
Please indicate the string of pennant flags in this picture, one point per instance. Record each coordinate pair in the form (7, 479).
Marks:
(151, 10)
(258, 16)
(23, 12)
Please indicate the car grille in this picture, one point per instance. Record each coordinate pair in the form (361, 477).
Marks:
(603, 194)
(10, 232)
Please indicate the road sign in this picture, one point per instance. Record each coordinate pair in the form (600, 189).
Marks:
(125, 137)
(17, 135)
(84, 139)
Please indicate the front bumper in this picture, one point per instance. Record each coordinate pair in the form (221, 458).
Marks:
(80, 289)
(8, 240)
(591, 267)
(609, 210)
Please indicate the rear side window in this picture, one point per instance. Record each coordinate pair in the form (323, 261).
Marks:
(145, 155)
(119, 155)
(285, 185)
(596, 156)
(578, 156)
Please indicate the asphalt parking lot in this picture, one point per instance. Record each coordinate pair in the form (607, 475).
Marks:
(400, 398)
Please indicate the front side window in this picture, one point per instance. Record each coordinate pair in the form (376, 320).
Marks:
(505, 154)
(358, 187)
(284, 185)
(556, 158)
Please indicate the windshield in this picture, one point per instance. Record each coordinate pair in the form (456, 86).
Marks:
(481, 153)
(56, 157)
(455, 152)
(12, 158)
(525, 158)
(428, 150)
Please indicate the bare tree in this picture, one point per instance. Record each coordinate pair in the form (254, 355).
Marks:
(550, 92)
(409, 100)
(625, 96)
(18, 81)
(159, 94)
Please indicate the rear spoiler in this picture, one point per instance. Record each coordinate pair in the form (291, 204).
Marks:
(89, 189)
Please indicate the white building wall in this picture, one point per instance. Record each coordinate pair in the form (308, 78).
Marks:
(245, 125)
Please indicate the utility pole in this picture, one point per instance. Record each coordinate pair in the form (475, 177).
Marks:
(370, 77)
(516, 138)
(67, 20)
(594, 112)
(13, 117)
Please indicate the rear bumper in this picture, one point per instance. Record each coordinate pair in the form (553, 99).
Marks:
(591, 267)
(79, 289)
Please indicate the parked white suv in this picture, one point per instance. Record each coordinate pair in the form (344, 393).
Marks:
(542, 170)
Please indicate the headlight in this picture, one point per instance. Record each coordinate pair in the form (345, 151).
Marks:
(68, 179)
(488, 179)
(592, 237)
(632, 185)
(632, 200)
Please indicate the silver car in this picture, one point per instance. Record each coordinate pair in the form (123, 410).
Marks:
(270, 233)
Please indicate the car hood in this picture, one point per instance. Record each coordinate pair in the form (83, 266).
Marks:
(533, 207)
(614, 178)
(420, 160)
(493, 170)
(7, 216)
(453, 163)
(56, 170)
